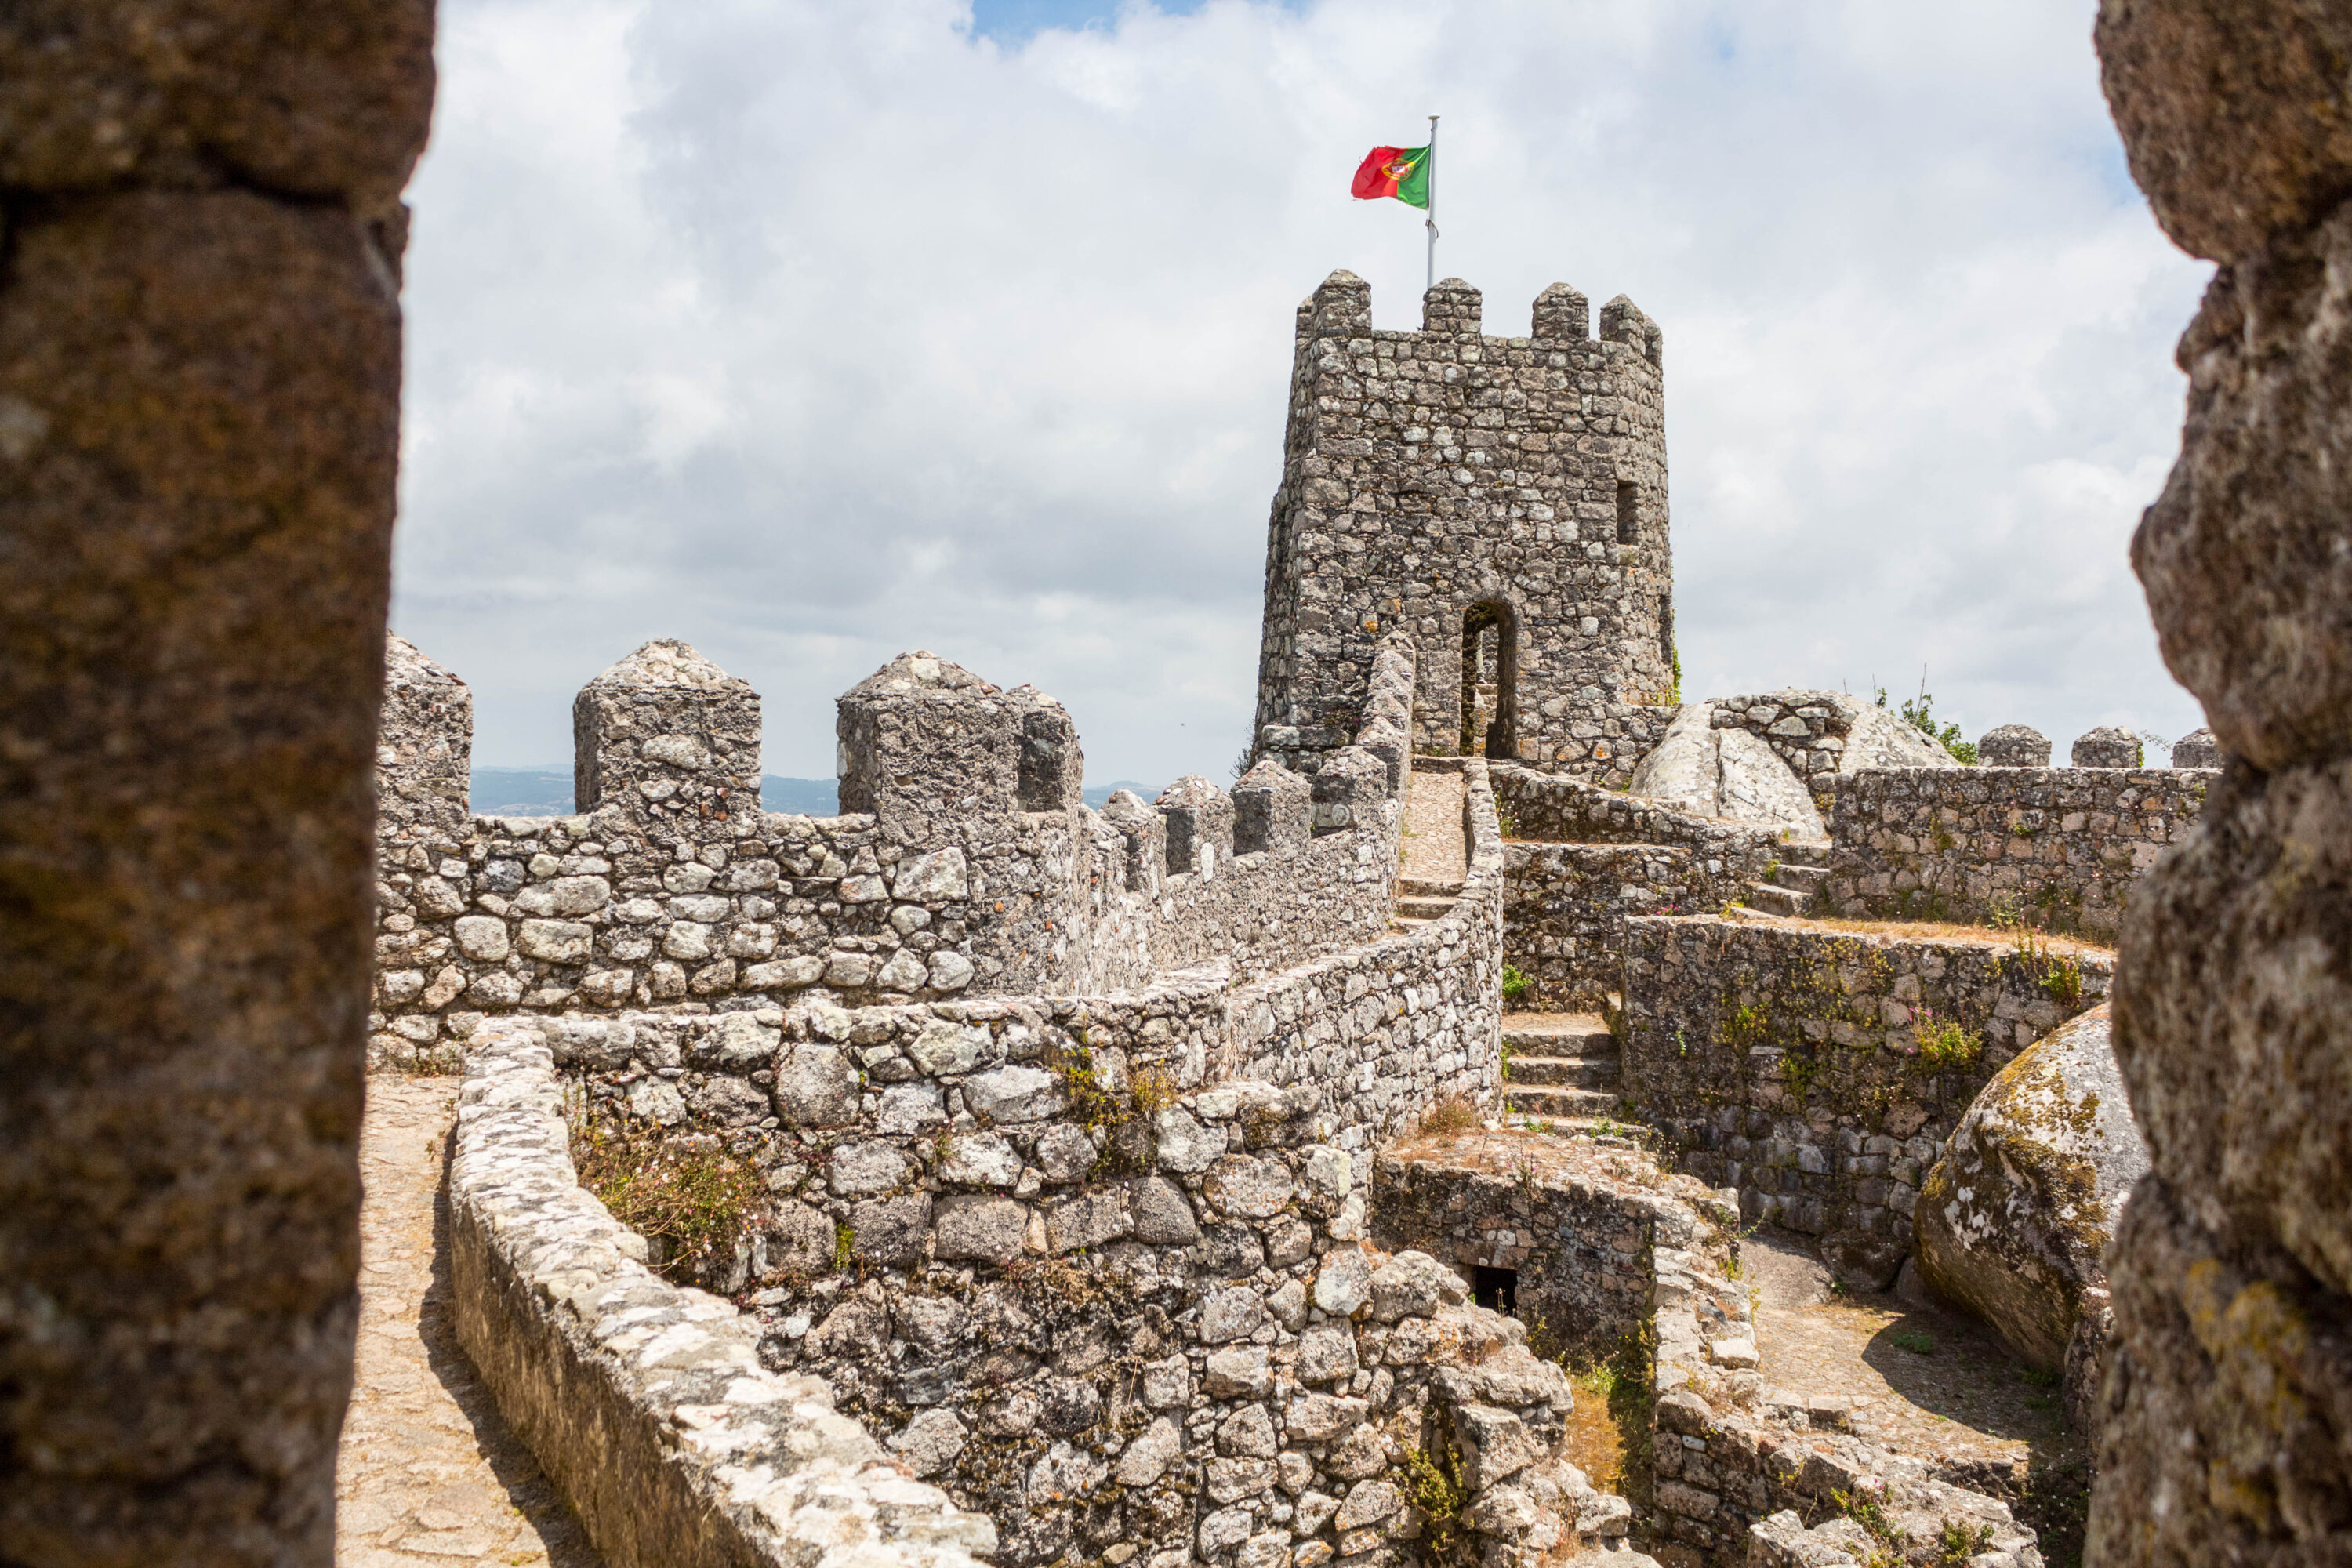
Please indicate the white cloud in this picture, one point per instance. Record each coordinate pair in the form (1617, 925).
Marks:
(812, 333)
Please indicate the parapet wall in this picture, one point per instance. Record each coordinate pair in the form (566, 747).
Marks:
(979, 872)
(2057, 847)
(645, 1403)
(1819, 1071)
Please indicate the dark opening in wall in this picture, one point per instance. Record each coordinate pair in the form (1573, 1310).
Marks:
(1495, 1288)
(1490, 676)
(1629, 521)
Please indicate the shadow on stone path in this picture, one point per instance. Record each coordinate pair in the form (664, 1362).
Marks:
(429, 1473)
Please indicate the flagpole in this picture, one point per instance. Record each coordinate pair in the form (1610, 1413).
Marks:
(1431, 187)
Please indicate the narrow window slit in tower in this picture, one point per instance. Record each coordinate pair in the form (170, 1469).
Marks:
(1628, 506)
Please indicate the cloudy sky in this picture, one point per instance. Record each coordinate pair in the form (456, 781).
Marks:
(811, 333)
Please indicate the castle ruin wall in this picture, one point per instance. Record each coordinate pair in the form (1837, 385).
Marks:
(1817, 1070)
(2060, 848)
(677, 892)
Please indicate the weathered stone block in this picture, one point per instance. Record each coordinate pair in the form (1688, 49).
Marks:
(665, 738)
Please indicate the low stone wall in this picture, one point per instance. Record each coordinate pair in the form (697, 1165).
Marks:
(1582, 860)
(2058, 847)
(1382, 1030)
(548, 914)
(647, 1404)
(1577, 1220)
(1553, 808)
(1819, 1071)
(1738, 1467)
(1565, 908)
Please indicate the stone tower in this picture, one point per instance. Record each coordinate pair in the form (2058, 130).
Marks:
(1504, 499)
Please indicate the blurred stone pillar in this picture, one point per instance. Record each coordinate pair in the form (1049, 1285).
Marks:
(2225, 1415)
(199, 432)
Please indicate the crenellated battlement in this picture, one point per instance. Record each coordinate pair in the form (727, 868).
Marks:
(964, 862)
(1503, 500)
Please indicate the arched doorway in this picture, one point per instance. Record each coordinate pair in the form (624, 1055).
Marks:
(1490, 680)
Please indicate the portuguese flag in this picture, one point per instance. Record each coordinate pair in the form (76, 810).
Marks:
(1398, 172)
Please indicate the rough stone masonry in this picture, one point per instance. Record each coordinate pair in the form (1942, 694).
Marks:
(2227, 1434)
(1454, 484)
(199, 429)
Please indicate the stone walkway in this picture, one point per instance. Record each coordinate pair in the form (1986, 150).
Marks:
(1433, 850)
(428, 1474)
(1925, 1381)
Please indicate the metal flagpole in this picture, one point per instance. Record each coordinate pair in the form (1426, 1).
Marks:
(1430, 189)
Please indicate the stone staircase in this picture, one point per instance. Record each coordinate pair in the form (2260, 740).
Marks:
(1420, 901)
(1804, 867)
(1560, 1068)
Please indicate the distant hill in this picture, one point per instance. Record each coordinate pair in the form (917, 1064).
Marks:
(547, 791)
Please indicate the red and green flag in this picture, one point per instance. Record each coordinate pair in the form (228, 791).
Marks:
(1398, 172)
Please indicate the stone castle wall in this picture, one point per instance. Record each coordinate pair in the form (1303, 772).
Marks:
(1582, 860)
(2057, 847)
(1426, 473)
(678, 891)
(1817, 1071)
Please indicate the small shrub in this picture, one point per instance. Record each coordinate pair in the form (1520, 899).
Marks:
(1887, 1551)
(1944, 1045)
(1796, 1075)
(1918, 1341)
(2062, 981)
(1747, 1025)
(1152, 1090)
(1517, 985)
(1507, 822)
(1959, 1541)
(684, 1192)
(1432, 1481)
(1450, 1114)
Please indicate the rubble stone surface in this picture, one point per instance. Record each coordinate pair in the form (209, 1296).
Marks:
(2014, 746)
(2231, 1273)
(199, 431)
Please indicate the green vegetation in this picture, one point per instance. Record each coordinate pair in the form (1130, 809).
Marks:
(1919, 712)
(683, 1192)
(1944, 1045)
(1796, 1075)
(1433, 1480)
(1959, 1541)
(1918, 1341)
(1887, 1549)
(1517, 985)
(1747, 1025)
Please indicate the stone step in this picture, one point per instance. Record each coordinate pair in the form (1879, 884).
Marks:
(1596, 1047)
(1406, 923)
(1805, 852)
(1538, 1099)
(1804, 878)
(1423, 909)
(1775, 900)
(1563, 1072)
(1559, 1034)
(1427, 888)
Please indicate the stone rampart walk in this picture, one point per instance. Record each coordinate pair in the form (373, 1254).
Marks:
(428, 1474)
(1433, 848)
